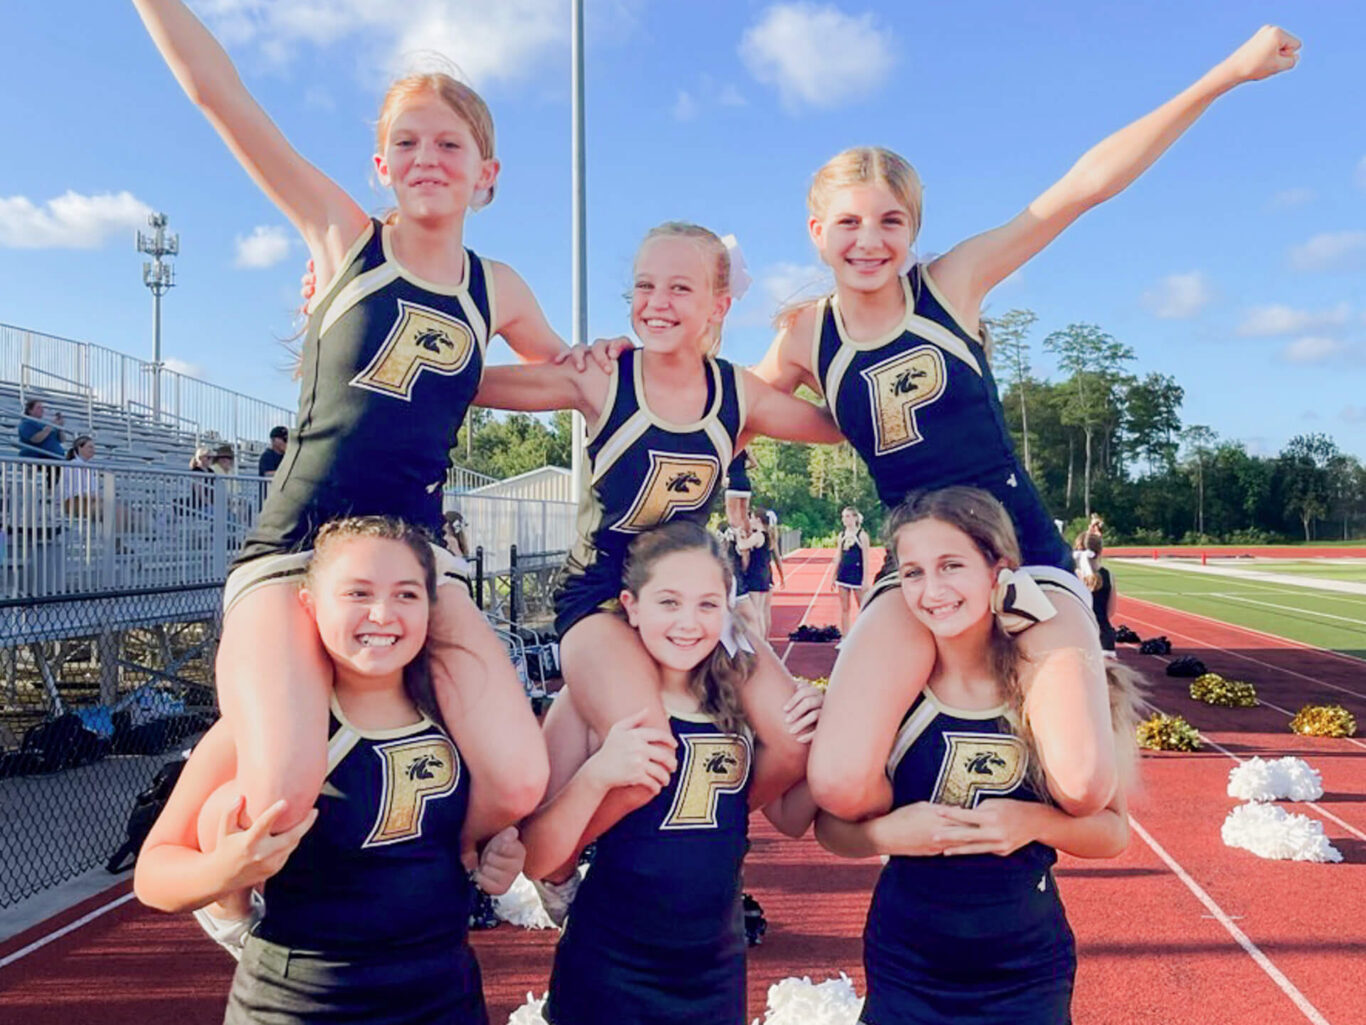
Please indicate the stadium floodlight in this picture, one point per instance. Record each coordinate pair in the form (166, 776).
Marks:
(160, 278)
(580, 275)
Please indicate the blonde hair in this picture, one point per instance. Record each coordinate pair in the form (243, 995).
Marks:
(713, 249)
(860, 165)
(417, 674)
(717, 680)
(985, 521)
(467, 104)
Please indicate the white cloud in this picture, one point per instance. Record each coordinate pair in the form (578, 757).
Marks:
(729, 96)
(1178, 296)
(264, 247)
(1266, 321)
(1332, 250)
(785, 283)
(1293, 197)
(180, 366)
(685, 107)
(485, 41)
(816, 55)
(71, 221)
(1313, 349)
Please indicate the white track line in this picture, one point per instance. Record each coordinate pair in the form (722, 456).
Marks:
(1248, 658)
(1287, 641)
(70, 927)
(1311, 613)
(818, 592)
(1287, 987)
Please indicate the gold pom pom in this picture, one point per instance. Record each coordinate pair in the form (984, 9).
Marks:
(1168, 733)
(1213, 689)
(1324, 721)
(820, 682)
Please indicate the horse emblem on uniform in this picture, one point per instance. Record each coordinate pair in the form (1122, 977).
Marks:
(421, 339)
(674, 484)
(899, 386)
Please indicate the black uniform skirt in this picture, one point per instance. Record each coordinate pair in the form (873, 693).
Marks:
(277, 985)
(631, 981)
(936, 958)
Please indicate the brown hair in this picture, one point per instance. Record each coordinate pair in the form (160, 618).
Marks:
(417, 674)
(717, 679)
(467, 104)
(713, 249)
(983, 519)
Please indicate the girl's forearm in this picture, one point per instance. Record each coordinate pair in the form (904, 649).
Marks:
(199, 63)
(793, 812)
(1102, 835)
(173, 878)
(553, 832)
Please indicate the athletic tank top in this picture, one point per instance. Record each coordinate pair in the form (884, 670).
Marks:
(390, 365)
(670, 871)
(961, 757)
(644, 471)
(920, 406)
(381, 865)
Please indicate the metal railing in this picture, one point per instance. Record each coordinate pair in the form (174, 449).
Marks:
(103, 375)
(497, 524)
(460, 478)
(74, 528)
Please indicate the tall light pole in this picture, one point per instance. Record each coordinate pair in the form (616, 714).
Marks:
(160, 278)
(580, 237)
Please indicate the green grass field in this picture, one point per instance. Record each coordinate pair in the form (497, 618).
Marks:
(1324, 619)
(1321, 569)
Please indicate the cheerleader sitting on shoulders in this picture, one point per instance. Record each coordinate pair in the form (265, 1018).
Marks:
(655, 934)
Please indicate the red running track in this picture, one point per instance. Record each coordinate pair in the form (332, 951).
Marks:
(1272, 943)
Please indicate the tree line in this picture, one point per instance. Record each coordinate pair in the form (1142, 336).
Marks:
(1099, 438)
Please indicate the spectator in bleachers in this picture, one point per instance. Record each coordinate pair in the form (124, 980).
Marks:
(201, 461)
(224, 460)
(270, 458)
(39, 437)
(457, 533)
(79, 488)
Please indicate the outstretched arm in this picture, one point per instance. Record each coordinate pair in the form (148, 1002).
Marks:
(329, 220)
(778, 415)
(542, 387)
(971, 269)
(787, 364)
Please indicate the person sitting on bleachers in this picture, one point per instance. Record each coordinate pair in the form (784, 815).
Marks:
(79, 488)
(38, 437)
(271, 457)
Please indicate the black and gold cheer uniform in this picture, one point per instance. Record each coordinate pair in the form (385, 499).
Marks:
(656, 933)
(971, 939)
(368, 919)
(921, 408)
(390, 365)
(643, 471)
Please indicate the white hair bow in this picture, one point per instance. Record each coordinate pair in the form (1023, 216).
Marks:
(1018, 602)
(739, 275)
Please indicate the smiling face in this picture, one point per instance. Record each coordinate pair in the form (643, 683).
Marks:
(864, 235)
(369, 599)
(674, 302)
(432, 161)
(850, 520)
(680, 610)
(945, 579)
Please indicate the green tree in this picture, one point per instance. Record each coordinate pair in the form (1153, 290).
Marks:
(1152, 419)
(1304, 464)
(1199, 441)
(1010, 349)
(1095, 363)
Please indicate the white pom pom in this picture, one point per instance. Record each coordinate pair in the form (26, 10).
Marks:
(522, 906)
(1271, 832)
(1280, 779)
(795, 1001)
(530, 1013)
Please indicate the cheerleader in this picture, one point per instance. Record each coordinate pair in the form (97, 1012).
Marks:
(855, 567)
(903, 366)
(663, 424)
(655, 935)
(366, 900)
(965, 924)
(761, 548)
(392, 355)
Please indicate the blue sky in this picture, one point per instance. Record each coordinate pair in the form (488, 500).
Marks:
(1236, 264)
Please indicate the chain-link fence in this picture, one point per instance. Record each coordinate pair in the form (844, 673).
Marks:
(96, 693)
